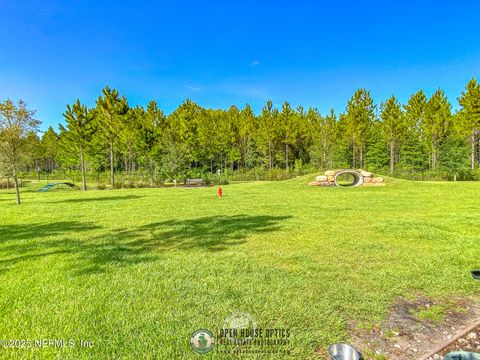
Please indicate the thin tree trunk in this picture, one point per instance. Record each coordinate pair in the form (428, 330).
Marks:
(324, 159)
(361, 156)
(8, 183)
(17, 190)
(286, 156)
(434, 154)
(472, 155)
(434, 158)
(152, 173)
(244, 155)
(82, 166)
(392, 157)
(354, 154)
(270, 155)
(112, 174)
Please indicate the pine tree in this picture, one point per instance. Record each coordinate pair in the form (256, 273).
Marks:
(413, 155)
(34, 150)
(323, 137)
(436, 124)
(359, 117)
(470, 112)
(230, 138)
(184, 124)
(49, 149)
(413, 152)
(454, 156)
(288, 131)
(393, 128)
(151, 130)
(76, 136)
(109, 110)
(266, 132)
(377, 157)
(245, 129)
(415, 110)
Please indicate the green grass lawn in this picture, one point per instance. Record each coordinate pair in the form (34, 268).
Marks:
(137, 271)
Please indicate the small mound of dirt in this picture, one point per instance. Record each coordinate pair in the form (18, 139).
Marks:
(414, 328)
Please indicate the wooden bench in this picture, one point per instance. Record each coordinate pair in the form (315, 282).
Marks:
(198, 182)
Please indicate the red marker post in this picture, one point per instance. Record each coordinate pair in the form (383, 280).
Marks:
(220, 191)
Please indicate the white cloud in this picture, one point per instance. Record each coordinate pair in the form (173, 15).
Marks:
(193, 88)
(254, 63)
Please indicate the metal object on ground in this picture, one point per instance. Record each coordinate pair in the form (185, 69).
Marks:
(461, 355)
(343, 352)
(476, 274)
(357, 178)
(49, 186)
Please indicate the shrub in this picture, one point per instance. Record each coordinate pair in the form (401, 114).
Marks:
(4, 184)
(118, 185)
(128, 184)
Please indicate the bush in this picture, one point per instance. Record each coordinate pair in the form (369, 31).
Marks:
(142, 184)
(277, 174)
(4, 184)
(118, 185)
(476, 174)
(128, 184)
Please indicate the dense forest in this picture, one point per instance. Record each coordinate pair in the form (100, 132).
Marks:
(116, 144)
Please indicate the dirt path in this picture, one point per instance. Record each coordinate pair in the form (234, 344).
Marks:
(414, 328)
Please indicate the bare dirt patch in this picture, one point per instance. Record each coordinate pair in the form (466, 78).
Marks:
(467, 341)
(414, 328)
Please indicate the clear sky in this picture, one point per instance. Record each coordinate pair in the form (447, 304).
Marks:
(219, 53)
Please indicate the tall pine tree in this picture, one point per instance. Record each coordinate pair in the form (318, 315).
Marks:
(393, 128)
(110, 109)
(78, 133)
(358, 118)
(470, 112)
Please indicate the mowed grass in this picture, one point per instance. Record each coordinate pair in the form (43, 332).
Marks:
(138, 271)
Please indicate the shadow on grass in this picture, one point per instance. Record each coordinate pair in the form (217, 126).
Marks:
(10, 233)
(213, 233)
(100, 198)
(85, 251)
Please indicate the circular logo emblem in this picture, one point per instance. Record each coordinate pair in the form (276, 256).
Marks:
(239, 321)
(202, 341)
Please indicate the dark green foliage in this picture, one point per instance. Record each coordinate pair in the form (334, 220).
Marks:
(454, 157)
(393, 127)
(112, 116)
(358, 118)
(377, 157)
(79, 132)
(49, 150)
(436, 124)
(146, 146)
(322, 138)
(413, 153)
(470, 117)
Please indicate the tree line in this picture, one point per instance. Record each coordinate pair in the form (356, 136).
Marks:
(423, 135)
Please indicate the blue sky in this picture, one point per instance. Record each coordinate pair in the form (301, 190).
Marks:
(219, 53)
